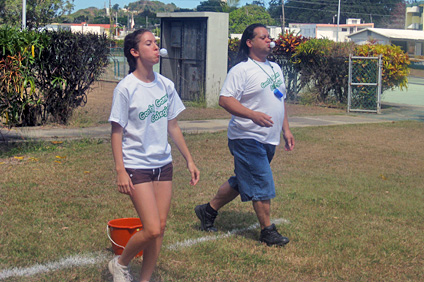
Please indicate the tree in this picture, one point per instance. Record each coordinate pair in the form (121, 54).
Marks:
(258, 3)
(38, 12)
(249, 14)
(318, 11)
(397, 18)
(210, 6)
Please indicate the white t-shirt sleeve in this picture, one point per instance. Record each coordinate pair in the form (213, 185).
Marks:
(120, 108)
(234, 83)
(175, 105)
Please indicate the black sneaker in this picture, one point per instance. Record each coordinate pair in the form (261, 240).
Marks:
(206, 219)
(271, 237)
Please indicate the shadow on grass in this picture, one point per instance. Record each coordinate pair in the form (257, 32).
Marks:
(239, 223)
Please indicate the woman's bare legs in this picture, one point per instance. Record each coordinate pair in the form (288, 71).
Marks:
(152, 202)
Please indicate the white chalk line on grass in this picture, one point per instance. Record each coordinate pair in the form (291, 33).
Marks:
(81, 260)
(191, 242)
(72, 261)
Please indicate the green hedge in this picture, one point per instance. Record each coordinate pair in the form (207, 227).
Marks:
(321, 66)
(46, 75)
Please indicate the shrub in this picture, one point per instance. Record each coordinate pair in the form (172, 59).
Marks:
(18, 97)
(282, 54)
(66, 69)
(323, 65)
(233, 46)
(395, 63)
(47, 75)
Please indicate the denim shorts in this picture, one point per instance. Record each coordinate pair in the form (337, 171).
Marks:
(253, 176)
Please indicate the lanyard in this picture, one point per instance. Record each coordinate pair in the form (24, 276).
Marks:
(277, 92)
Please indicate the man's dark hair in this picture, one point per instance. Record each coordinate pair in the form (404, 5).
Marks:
(248, 33)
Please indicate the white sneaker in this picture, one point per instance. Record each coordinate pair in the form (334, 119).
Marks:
(119, 272)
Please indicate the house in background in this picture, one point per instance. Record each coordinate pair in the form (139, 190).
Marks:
(411, 41)
(414, 16)
(81, 27)
(330, 31)
(274, 32)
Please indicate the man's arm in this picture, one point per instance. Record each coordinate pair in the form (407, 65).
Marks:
(287, 135)
(234, 107)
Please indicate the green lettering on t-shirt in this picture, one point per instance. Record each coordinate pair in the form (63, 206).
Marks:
(152, 110)
(145, 114)
(160, 114)
(274, 81)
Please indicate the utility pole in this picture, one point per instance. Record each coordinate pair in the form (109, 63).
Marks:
(111, 25)
(116, 17)
(23, 14)
(283, 23)
(338, 21)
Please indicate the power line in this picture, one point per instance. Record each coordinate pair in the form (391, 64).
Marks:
(333, 11)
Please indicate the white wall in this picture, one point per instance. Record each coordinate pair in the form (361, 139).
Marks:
(88, 29)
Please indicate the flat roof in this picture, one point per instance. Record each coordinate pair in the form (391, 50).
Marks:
(395, 33)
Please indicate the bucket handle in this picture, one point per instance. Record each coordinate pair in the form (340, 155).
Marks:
(108, 235)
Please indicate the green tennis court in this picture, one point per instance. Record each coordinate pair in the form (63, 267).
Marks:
(414, 95)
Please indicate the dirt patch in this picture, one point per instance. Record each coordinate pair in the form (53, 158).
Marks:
(99, 102)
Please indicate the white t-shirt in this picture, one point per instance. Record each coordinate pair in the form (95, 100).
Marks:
(143, 110)
(252, 84)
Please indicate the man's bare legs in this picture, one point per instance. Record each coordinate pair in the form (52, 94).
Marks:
(224, 195)
(263, 212)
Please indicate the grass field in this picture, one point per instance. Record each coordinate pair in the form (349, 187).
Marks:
(349, 197)
(99, 101)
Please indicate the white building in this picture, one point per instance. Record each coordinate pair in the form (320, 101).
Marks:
(274, 32)
(85, 28)
(411, 41)
(330, 31)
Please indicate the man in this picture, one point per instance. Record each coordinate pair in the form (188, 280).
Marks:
(253, 93)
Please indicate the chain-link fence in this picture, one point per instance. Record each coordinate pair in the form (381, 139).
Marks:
(364, 93)
(118, 66)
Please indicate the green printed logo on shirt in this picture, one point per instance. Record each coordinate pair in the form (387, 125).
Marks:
(152, 110)
(274, 81)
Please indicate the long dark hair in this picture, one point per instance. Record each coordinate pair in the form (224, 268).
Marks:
(248, 33)
(131, 41)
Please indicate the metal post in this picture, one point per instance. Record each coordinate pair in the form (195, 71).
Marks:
(284, 19)
(338, 21)
(349, 92)
(23, 14)
(380, 68)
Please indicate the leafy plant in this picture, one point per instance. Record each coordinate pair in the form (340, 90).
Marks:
(233, 46)
(323, 66)
(395, 63)
(46, 75)
(18, 96)
(66, 68)
(282, 54)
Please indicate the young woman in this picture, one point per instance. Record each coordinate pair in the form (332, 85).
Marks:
(144, 110)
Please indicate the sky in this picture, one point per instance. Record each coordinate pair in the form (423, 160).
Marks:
(190, 4)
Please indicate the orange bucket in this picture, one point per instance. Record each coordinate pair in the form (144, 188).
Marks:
(120, 230)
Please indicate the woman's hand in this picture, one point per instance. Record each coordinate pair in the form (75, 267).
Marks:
(195, 173)
(125, 185)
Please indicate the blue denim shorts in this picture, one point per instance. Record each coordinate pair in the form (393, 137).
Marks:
(253, 176)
